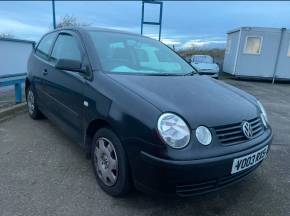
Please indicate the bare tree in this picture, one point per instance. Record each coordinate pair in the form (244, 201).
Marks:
(6, 35)
(70, 20)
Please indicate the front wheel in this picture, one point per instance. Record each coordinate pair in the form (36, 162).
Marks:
(32, 105)
(110, 163)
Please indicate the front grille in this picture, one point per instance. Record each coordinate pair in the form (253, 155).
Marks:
(211, 185)
(233, 134)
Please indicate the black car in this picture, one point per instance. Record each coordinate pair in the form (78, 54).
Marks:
(142, 113)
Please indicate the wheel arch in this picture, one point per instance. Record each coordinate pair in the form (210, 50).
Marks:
(90, 131)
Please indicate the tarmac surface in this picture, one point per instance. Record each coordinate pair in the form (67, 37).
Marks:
(42, 172)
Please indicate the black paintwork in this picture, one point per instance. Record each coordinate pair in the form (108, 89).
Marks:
(131, 105)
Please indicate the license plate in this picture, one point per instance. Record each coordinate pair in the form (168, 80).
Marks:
(245, 162)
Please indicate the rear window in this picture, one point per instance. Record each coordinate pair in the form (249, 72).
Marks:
(45, 44)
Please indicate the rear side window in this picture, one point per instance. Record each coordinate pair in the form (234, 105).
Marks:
(45, 44)
(66, 47)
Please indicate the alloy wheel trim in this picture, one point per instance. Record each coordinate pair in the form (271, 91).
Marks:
(30, 102)
(106, 161)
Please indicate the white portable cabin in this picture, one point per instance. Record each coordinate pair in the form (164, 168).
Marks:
(258, 52)
(14, 54)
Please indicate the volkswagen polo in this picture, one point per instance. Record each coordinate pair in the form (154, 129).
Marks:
(143, 115)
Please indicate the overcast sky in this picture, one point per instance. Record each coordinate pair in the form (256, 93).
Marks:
(184, 23)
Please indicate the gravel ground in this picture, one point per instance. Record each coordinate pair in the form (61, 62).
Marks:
(43, 173)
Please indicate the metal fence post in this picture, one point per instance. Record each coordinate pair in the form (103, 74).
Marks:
(18, 93)
(16, 80)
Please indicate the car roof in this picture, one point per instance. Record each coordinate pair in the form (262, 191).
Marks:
(86, 29)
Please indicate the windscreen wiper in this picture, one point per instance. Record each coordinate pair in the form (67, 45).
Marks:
(191, 73)
(164, 74)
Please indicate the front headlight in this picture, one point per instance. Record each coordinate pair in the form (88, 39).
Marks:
(263, 114)
(173, 130)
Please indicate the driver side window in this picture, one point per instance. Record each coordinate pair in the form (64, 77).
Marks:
(66, 47)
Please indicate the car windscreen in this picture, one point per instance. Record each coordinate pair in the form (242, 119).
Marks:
(125, 53)
(203, 59)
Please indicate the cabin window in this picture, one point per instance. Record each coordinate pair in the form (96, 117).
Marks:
(228, 47)
(253, 45)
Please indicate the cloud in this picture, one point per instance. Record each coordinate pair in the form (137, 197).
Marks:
(203, 43)
(33, 32)
(17, 28)
(184, 23)
(132, 29)
(167, 41)
(170, 41)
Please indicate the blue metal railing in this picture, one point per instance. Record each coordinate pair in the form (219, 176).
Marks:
(16, 80)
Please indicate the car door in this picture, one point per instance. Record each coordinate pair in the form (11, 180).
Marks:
(65, 88)
(38, 67)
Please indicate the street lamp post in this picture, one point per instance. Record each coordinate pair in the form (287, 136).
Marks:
(53, 14)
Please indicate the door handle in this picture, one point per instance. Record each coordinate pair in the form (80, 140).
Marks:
(44, 72)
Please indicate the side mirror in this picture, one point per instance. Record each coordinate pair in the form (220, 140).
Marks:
(188, 60)
(70, 65)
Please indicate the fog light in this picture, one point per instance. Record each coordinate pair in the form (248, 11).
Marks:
(203, 135)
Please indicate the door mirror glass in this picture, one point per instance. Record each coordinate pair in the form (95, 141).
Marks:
(70, 65)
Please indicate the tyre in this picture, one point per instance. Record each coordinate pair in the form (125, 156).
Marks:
(110, 163)
(33, 110)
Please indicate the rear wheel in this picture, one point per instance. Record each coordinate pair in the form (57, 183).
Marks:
(32, 105)
(110, 163)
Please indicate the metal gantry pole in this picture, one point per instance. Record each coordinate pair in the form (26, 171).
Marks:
(160, 19)
(142, 18)
(152, 23)
(53, 14)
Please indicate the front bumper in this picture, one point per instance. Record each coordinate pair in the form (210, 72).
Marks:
(187, 178)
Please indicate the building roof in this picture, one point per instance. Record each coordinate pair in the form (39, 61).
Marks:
(247, 28)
